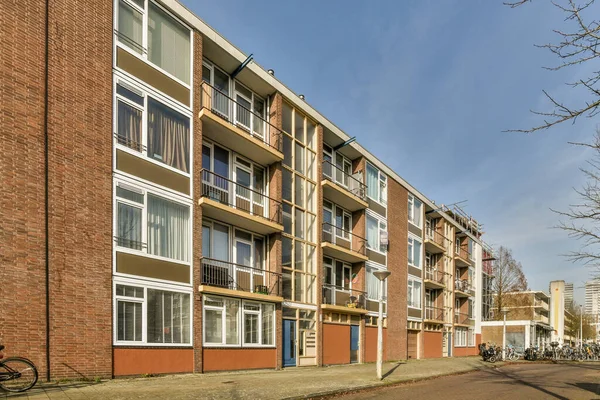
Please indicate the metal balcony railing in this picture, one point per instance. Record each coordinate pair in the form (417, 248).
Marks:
(461, 318)
(232, 276)
(130, 244)
(464, 286)
(344, 296)
(436, 237)
(344, 238)
(240, 115)
(434, 274)
(335, 174)
(240, 197)
(434, 313)
(462, 253)
(135, 46)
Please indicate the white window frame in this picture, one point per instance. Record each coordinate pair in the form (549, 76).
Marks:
(470, 337)
(410, 300)
(370, 269)
(144, 55)
(147, 92)
(145, 286)
(412, 202)
(411, 251)
(381, 227)
(333, 209)
(240, 322)
(381, 188)
(460, 337)
(140, 187)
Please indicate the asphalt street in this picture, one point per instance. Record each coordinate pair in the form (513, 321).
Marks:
(522, 381)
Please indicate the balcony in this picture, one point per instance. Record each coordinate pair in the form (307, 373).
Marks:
(435, 242)
(540, 318)
(434, 278)
(434, 314)
(463, 288)
(343, 189)
(541, 304)
(224, 200)
(462, 257)
(344, 299)
(229, 279)
(462, 319)
(343, 245)
(235, 126)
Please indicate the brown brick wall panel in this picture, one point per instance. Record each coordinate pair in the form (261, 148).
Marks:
(432, 344)
(336, 344)
(22, 233)
(397, 264)
(371, 344)
(80, 187)
(197, 211)
(132, 361)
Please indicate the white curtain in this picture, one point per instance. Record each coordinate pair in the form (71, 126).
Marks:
(168, 43)
(372, 285)
(130, 27)
(372, 182)
(372, 233)
(168, 229)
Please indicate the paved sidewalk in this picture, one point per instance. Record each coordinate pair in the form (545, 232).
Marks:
(289, 383)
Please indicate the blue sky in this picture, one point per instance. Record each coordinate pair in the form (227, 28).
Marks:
(429, 87)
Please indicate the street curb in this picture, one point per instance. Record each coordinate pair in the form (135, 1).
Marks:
(358, 389)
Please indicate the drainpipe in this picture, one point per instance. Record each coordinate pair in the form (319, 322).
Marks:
(46, 200)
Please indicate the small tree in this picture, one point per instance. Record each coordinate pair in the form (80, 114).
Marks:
(578, 43)
(508, 277)
(589, 329)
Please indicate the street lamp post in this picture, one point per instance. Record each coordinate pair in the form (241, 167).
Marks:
(382, 276)
(504, 311)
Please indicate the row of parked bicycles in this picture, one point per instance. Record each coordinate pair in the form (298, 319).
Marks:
(552, 352)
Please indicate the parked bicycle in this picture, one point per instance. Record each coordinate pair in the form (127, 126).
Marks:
(17, 374)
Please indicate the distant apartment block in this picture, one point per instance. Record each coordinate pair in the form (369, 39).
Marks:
(592, 297)
(568, 295)
(169, 208)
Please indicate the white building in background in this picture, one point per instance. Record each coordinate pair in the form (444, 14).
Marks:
(568, 295)
(592, 297)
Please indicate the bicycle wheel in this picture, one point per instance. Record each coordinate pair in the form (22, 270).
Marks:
(23, 374)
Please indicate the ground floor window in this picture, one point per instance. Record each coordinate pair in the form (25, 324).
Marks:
(460, 337)
(234, 322)
(148, 315)
(471, 337)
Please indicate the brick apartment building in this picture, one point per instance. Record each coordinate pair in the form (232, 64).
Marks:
(165, 210)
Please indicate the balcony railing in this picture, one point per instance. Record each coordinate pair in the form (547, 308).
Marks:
(344, 296)
(343, 238)
(436, 237)
(241, 116)
(462, 253)
(464, 286)
(434, 313)
(461, 318)
(240, 197)
(434, 274)
(232, 276)
(342, 178)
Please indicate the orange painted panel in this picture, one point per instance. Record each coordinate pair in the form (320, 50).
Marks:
(152, 361)
(336, 344)
(465, 351)
(371, 344)
(238, 359)
(433, 345)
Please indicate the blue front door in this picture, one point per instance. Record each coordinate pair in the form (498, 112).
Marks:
(354, 343)
(289, 343)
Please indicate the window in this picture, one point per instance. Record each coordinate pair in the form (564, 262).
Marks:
(375, 228)
(460, 337)
(376, 184)
(373, 284)
(471, 309)
(471, 337)
(342, 224)
(414, 293)
(165, 43)
(471, 247)
(225, 320)
(152, 224)
(166, 136)
(414, 210)
(414, 252)
(166, 319)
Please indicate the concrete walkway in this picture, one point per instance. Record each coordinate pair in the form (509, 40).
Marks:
(290, 383)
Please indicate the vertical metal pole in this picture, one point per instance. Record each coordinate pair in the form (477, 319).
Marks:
(581, 326)
(380, 334)
(504, 339)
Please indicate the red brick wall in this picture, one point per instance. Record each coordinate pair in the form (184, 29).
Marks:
(79, 184)
(152, 361)
(22, 233)
(371, 344)
(397, 263)
(197, 211)
(236, 359)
